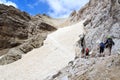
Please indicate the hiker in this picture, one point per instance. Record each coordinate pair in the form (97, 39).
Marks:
(83, 45)
(83, 51)
(102, 46)
(109, 43)
(82, 40)
(86, 52)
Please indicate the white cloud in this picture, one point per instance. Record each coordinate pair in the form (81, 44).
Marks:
(62, 8)
(33, 5)
(8, 3)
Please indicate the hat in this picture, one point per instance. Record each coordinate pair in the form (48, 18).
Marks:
(108, 36)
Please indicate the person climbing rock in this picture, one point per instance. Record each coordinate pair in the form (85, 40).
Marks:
(82, 45)
(109, 43)
(83, 52)
(82, 40)
(102, 46)
(86, 53)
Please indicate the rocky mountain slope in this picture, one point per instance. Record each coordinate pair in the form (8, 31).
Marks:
(101, 19)
(101, 68)
(20, 33)
(57, 51)
(13, 24)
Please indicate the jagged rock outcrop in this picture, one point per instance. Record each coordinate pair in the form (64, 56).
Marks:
(13, 24)
(15, 53)
(90, 69)
(39, 25)
(73, 13)
(20, 33)
(101, 19)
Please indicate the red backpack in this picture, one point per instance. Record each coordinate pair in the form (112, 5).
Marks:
(87, 50)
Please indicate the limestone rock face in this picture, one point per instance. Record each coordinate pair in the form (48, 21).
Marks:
(73, 13)
(20, 33)
(90, 69)
(102, 19)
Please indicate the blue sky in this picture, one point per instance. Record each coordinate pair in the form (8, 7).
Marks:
(53, 8)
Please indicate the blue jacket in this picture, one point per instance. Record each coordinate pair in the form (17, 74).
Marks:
(102, 45)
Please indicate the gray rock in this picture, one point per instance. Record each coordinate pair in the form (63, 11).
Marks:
(102, 19)
(20, 32)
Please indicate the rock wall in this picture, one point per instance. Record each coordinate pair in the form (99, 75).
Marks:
(104, 68)
(20, 33)
(102, 19)
(13, 24)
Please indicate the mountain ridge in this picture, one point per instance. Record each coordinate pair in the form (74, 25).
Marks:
(100, 19)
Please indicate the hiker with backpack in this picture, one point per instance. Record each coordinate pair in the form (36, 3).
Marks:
(82, 44)
(102, 46)
(109, 43)
(86, 53)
